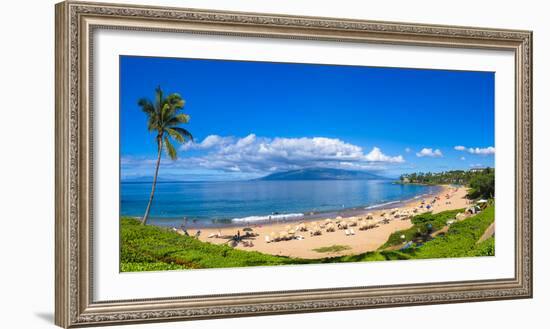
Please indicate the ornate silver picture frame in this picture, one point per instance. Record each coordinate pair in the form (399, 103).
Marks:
(76, 22)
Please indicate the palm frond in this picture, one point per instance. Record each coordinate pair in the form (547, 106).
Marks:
(163, 117)
(153, 122)
(146, 106)
(166, 112)
(175, 135)
(152, 125)
(183, 132)
(158, 99)
(178, 119)
(170, 149)
(175, 101)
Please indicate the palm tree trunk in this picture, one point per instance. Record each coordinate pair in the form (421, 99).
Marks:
(146, 216)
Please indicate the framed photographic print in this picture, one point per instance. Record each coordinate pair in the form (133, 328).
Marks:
(218, 164)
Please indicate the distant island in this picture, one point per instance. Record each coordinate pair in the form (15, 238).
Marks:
(322, 174)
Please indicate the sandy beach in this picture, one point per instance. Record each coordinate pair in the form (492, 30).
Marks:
(361, 241)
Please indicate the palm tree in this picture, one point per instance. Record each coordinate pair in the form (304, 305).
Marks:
(164, 118)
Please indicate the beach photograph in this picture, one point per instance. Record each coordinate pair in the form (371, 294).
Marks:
(240, 163)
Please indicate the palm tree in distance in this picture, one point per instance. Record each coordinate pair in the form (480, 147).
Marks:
(164, 117)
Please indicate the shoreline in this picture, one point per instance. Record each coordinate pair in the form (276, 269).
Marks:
(304, 242)
(307, 216)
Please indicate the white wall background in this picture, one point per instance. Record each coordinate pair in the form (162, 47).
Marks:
(27, 161)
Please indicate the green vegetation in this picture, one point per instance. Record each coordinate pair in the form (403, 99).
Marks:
(485, 248)
(481, 181)
(372, 256)
(164, 117)
(143, 247)
(151, 248)
(333, 248)
(421, 226)
(461, 239)
(482, 185)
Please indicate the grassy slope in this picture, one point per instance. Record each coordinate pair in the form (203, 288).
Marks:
(151, 248)
(420, 222)
(461, 239)
(155, 248)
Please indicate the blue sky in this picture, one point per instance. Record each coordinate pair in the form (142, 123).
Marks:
(250, 119)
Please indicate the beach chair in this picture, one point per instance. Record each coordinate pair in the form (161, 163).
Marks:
(347, 232)
(267, 239)
(212, 235)
(352, 232)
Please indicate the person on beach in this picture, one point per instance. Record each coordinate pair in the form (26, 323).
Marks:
(184, 230)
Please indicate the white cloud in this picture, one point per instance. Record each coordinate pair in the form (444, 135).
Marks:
(429, 152)
(477, 150)
(462, 158)
(376, 155)
(482, 151)
(255, 154)
(248, 140)
(209, 142)
(408, 150)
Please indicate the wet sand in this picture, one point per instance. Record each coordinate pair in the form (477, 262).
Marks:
(362, 241)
